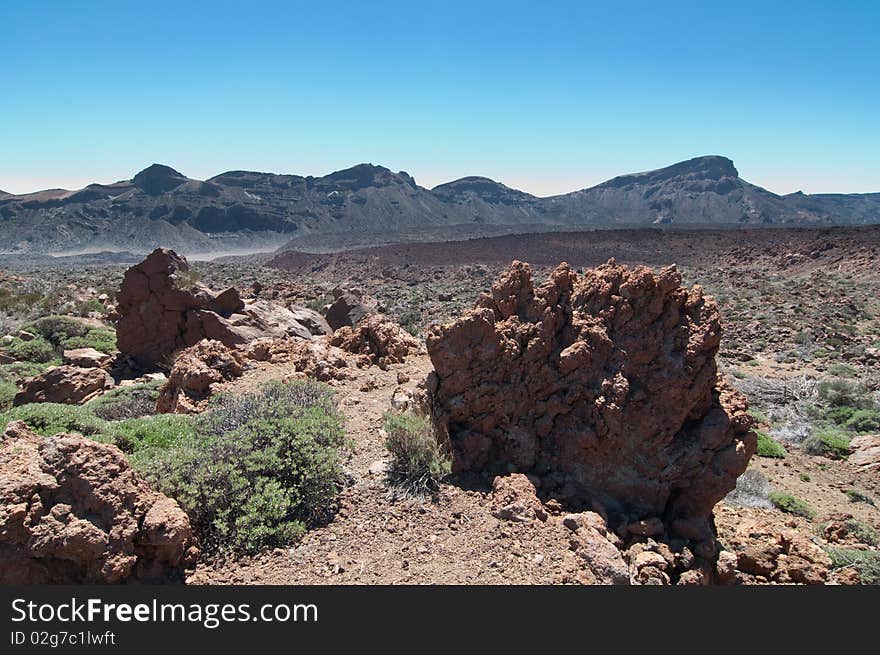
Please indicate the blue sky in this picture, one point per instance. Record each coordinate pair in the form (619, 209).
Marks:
(544, 96)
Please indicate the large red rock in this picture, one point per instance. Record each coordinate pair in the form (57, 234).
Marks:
(162, 310)
(604, 386)
(70, 385)
(73, 511)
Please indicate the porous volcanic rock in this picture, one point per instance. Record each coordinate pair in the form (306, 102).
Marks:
(70, 385)
(377, 340)
(195, 371)
(73, 511)
(604, 386)
(161, 310)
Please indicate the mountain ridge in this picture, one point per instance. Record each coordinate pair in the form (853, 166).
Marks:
(161, 206)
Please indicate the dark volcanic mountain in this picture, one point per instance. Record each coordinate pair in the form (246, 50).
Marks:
(243, 210)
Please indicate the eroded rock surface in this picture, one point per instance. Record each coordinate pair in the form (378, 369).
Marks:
(193, 375)
(377, 340)
(162, 309)
(70, 385)
(604, 386)
(73, 511)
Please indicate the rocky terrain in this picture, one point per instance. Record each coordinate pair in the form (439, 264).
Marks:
(596, 421)
(243, 211)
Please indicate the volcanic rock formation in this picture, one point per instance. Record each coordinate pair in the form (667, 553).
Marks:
(377, 340)
(73, 511)
(604, 386)
(195, 371)
(162, 310)
(66, 384)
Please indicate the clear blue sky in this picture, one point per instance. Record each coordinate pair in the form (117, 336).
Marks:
(545, 96)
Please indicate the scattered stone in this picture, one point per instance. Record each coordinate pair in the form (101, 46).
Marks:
(85, 358)
(514, 499)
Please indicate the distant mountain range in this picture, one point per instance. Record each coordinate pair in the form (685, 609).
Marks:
(243, 210)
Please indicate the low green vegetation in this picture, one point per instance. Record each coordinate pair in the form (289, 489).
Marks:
(856, 496)
(66, 332)
(769, 447)
(7, 394)
(127, 402)
(831, 443)
(256, 470)
(792, 505)
(418, 461)
(36, 350)
(865, 562)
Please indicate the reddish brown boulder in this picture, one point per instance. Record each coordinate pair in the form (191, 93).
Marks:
(73, 511)
(161, 310)
(70, 385)
(603, 385)
(378, 340)
(85, 358)
(195, 371)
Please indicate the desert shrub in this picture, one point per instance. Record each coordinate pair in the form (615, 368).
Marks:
(101, 339)
(804, 477)
(830, 443)
(839, 415)
(7, 393)
(865, 562)
(842, 370)
(752, 490)
(65, 332)
(769, 447)
(51, 418)
(162, 431)
(862, 532)
(759, 416)
(864, 420)
(856, 496)
(19, 371)
(36, 350)
(792, 505)
(840, 393)
(258, 469)
(126, 402)
(418, 460)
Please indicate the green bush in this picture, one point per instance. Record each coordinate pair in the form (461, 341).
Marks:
(865, 562)
(842, 370)
(769, 447)
(65, 332)
(862, 532)
(36, 350)
(418, 461)
(840, 393)
(20, 371)
(51, 418)
(126, 402)
(101, 339)
(258, 469)
(162, 431)
(830, 443)
(839, 415)
(7, 393)
(864, 420)
(856, 496)
(792, 505)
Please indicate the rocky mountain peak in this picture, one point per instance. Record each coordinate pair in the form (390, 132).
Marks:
(158, 178)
